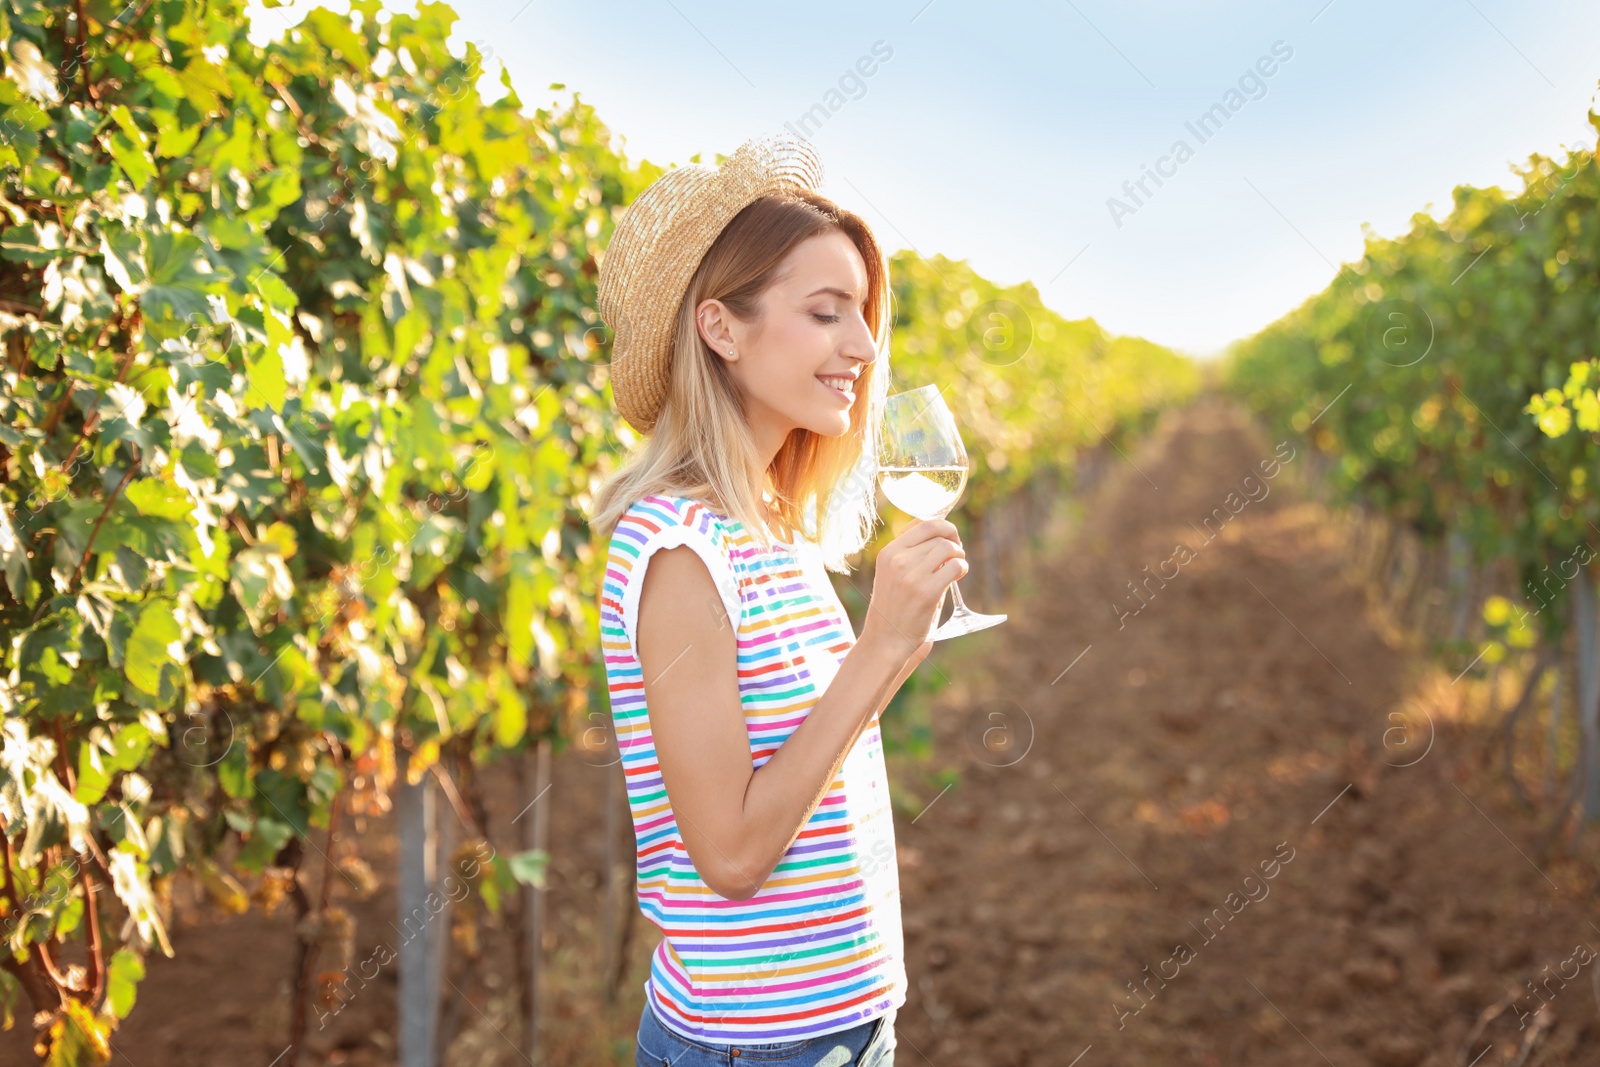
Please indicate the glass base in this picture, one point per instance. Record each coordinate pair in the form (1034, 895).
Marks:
(965, 623)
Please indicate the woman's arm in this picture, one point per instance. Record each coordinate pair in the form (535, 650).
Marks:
(738, 821)
(899, 680)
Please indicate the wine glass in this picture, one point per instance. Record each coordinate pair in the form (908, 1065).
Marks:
(922, 469)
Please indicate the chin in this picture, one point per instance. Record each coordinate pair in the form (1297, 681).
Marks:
(837, 426)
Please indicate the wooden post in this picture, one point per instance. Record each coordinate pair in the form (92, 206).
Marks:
(446, 839)
(1585, 610)
(1461, 584)
(415, 811)
(1553, 734)
(1388, 534)
(1424, 588)
(610, 881)
(538, 835)
(620, 873)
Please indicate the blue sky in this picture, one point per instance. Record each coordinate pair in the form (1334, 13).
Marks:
(997, 133)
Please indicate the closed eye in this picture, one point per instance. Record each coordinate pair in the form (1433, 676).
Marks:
(825, 318)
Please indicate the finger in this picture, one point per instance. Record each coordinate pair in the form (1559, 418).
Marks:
(914, 536)
(948, 571)
(938, 550)
(927, 559)
(928, 529)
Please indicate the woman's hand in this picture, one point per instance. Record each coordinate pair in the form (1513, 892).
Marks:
(908, 584)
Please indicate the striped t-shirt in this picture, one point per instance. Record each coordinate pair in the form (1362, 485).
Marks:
(818, 948)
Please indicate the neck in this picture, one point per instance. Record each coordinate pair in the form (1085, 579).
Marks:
(770, 515)
(769, 433)
(769, 438)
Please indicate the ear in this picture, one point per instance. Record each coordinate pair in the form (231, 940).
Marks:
(714, 322)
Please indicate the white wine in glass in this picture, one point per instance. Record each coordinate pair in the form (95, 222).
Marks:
(922, 470)
(926, 492)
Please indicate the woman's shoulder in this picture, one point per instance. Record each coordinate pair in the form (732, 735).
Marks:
(671, 517)
(661, 521)
(655, 510)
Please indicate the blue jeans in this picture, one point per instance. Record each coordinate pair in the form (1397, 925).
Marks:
(869, 1045)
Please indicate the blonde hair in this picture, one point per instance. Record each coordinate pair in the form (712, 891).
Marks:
(701, 445)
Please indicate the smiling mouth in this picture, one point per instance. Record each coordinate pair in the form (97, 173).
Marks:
(840, 384)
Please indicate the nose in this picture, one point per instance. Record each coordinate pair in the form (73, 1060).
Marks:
(859, 345)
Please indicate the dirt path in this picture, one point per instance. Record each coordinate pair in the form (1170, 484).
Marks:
(1119, 778)
(1238, 725)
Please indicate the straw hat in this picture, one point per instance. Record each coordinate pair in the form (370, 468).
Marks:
(658, 245)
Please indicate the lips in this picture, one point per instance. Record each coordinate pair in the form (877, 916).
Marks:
(841, 385)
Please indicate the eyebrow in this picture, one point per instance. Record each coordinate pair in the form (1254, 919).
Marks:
(830, 289)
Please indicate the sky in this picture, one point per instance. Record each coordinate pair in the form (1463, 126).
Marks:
(1015, 135)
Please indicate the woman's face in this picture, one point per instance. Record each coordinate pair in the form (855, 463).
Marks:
(811, 329)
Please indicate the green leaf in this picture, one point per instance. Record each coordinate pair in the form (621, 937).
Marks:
(283, 796)
(281, 536)
(268, 386)
(124, 972)
(27, 244)
(176, 140)
(282, 189)
(155, 496)
(511, 714)
(129, 743)
(133, 158)
(324, 782)
(261, 583)
(267, 838)
(10, 997)
(204, 85)
(93, 778)
(519, 615)
(77, 1037)
(529, 867)
(233, 772)
(123, 748)
(154, 647)
(178, 288)
(124, 258)
(13, 557)
(124, 119)
(273, 292)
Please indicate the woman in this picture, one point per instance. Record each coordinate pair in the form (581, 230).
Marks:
(750, 319)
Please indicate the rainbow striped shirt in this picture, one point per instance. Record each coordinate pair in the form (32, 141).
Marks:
(819, 947)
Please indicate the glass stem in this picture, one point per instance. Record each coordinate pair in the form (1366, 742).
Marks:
(961, 607)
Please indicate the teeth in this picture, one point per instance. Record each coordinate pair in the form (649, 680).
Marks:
(845, 385)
